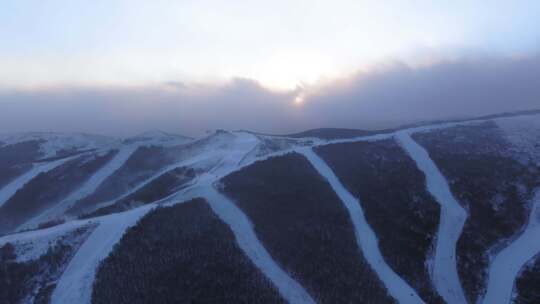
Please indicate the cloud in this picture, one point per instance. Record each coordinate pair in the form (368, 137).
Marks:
(398, 94)
(386, 96)
(174, 107)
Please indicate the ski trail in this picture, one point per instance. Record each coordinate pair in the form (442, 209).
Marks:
(75, 284)
(153, 177)
(31, 245)
(10, 189)
(506, 265)
(452, 220)
(86, 189)
(365, 237)
(243, 231)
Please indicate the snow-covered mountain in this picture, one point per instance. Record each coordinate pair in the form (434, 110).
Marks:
(442, 212)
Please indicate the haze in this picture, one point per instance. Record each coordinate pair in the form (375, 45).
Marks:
(122, 67)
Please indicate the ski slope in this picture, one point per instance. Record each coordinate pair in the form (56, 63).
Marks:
(228, 157)
(86, 189)
(507, 264)
(365, 237)
(31, 245)
(52, 142)
(10, 189)
(452, 220)
(75, 284)
(246, 238)
(231, 215)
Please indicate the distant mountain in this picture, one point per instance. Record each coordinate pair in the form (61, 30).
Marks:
(157, 137)
(436, 212)
(337, 133)
(332, 133)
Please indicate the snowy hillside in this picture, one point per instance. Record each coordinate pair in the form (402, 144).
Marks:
(445, 212)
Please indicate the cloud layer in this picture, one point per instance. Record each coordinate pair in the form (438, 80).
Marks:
(384, 97)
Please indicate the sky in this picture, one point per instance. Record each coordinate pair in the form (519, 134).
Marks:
(121, 67)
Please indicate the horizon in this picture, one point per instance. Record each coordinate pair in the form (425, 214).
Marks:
(531, 112)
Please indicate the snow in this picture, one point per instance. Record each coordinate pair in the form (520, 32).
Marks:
(365, 237)
(360, 138)
(31, 245)
(221, 160)
(271, 144)
(246, 238)
(226, 152)
(186, 163)
(242, 144)
(75, 284)
(507, 264)
(10, 189)
(54, 142)
(383, 136)
(523, 132)
(452, 219)
(86, 189)
(157, 138)
(232, 159)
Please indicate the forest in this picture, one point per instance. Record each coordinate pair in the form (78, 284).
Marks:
(180, 254)
(392, 192)
(491, 184)
(306, 229)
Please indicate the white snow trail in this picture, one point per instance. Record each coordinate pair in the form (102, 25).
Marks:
(10, 189)
(452, 219)
(365, 236)
(31, 245)
(75, 284)
(42, 233)
(86, 189)
(243, 231)
(153, 177)
(507, 264)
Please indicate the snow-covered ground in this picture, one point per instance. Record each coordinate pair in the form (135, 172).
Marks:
(452, 219)
(225, 151)
(229, 213)
(360, 138)
(10, 189)
(236, 150)
(524, 134)
(31, 245)
(86, 189)
(232, 157)
(365, 237)
(157, 138)
(75, 284)
(507, 263)
(191, 162)
(245, 235)
(54, 142)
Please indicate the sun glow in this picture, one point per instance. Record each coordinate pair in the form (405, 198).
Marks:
(299, 99)
(289, 68)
